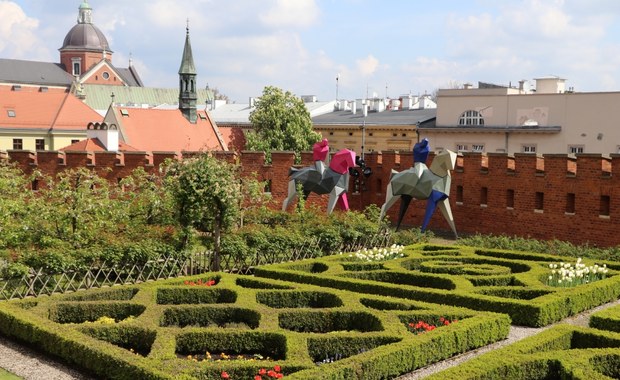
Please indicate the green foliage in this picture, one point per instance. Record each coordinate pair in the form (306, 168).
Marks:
(206, 192)
(298, 299)
(179, 296)
(281, 122)
(204, 316)
(329, 321)
(80, 312)
(555, 247)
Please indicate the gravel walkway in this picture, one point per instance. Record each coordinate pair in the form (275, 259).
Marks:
(31, 364)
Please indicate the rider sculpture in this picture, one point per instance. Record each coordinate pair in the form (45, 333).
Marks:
(319, 179)
(421, 182)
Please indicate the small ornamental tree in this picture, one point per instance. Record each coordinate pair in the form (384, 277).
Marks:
(207, 193)
(281, 122)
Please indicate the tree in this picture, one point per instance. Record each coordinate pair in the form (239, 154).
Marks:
(281, 122)
(207, 193)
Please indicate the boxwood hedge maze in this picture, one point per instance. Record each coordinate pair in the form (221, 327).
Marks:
(346, 316)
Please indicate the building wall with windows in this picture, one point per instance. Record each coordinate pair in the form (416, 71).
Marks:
(512, 121)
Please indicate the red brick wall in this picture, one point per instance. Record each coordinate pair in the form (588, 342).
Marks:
(592, 179)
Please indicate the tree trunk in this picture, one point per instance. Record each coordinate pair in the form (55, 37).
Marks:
(216, 243)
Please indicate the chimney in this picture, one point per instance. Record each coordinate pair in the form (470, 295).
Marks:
(106, 133)
(353, 107)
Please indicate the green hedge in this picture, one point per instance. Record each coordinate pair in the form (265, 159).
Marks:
(608, 319)
(531, 303)
(194, 295)
(205, 316)
(134, 338)
(79, 312)
(271, 345)
(328, 321)
(298, 299)
(557, 353)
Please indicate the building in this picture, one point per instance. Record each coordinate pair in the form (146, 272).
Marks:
(375, 125)
(47, 104)
(35, 119)
(506, 119)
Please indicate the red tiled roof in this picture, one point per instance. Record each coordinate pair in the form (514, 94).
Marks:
(234, 137)
(44, 110)
(167, 130)
(95, 145)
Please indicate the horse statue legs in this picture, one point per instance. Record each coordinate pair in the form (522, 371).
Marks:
(437, 198)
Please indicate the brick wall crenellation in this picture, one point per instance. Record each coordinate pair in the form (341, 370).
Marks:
(589, 180)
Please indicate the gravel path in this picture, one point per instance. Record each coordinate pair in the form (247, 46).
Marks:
(31, 364)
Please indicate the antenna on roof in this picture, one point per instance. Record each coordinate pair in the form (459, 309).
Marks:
(187, 27)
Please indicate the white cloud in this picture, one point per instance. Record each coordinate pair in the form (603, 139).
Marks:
(367, 66)
(290, 13)
(19, 34)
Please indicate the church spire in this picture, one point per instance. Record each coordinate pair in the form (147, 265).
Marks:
(187, 82)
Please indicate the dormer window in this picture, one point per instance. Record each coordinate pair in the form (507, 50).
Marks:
(471, 117)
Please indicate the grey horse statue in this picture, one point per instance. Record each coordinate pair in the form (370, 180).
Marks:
(332, 180)
(421, 182)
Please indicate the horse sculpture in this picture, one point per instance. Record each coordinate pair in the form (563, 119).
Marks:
(420, 182)
(332, 180)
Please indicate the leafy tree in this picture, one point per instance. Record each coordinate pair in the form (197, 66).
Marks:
(15, 206)
(207, 192)
(76, 208)
(281, 122)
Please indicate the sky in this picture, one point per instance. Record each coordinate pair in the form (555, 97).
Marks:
(346, 49)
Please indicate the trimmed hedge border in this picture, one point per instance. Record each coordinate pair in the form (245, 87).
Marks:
(561, 352)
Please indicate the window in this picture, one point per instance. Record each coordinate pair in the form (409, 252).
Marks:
(10, 113)
(528, 148)
(539, 201)
(106, 75)
(604, 208)
(39, 144)
(74, 141)
(370, 134)
(267, 188)
(331, 133)
(484, 192)
(477, 148)
(18, 144)
(404, 135)
(461, 147)
(471, 117)
(459, 194)
(570, 203)
(350, 133)
(574, 149)
(510, 198)
(76, 68)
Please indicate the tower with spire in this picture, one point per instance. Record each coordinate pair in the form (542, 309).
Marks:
(187, 82)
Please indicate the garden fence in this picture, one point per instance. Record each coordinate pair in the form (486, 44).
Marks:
(40, 282)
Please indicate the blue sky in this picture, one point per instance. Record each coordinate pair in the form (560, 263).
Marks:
(394, 48)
